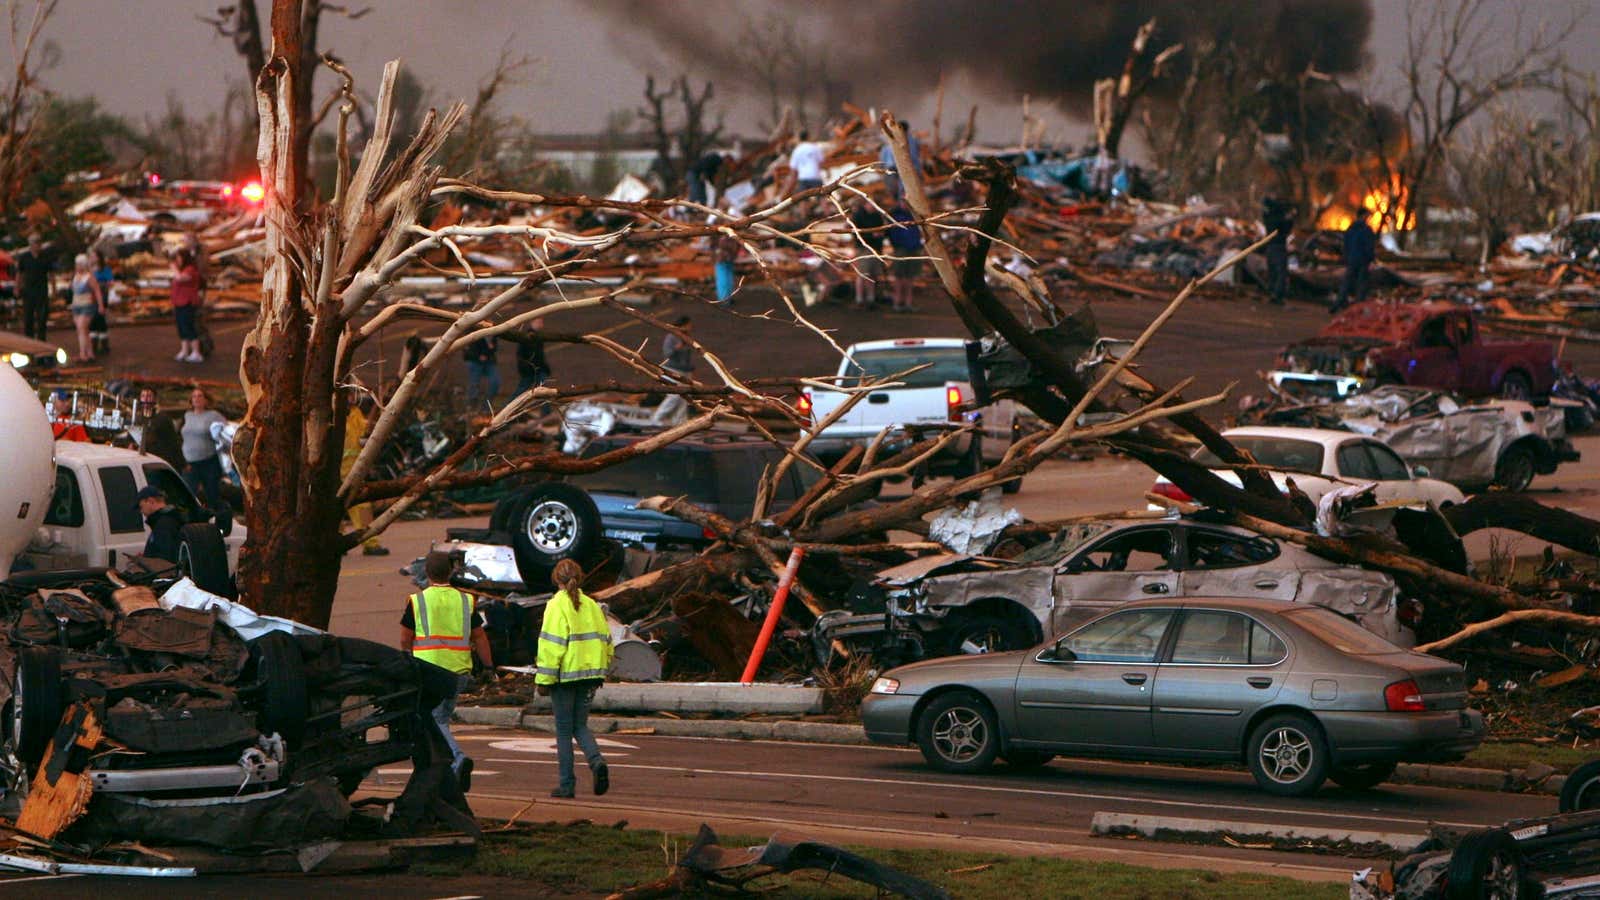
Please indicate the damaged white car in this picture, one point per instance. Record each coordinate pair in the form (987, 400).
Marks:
(943, 605)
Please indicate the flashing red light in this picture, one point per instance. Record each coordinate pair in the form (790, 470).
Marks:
(1403, 696)
(253, 192)
(227, 192)
(1170, 491)
(803, 405)
(155, 180)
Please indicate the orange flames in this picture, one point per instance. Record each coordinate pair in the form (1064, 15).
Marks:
(1375, 204)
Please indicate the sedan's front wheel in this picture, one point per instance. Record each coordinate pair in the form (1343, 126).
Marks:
(1288, 755)
(958, 733)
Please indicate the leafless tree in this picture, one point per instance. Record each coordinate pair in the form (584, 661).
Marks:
(681, 135)
(22, 102)
(1509, 172)
(1460, 56)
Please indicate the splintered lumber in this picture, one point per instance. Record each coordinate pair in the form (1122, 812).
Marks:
(60, 791)
(1557, 616)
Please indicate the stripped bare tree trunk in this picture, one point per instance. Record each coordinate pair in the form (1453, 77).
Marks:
(289, 445)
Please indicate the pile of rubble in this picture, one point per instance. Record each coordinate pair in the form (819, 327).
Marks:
(160, 730)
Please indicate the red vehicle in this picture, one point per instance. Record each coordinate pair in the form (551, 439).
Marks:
(1435, 345)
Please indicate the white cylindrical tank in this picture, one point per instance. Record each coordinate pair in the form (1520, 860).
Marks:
(29, 462)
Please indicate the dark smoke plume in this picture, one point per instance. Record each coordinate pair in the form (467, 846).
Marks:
(1051, 49)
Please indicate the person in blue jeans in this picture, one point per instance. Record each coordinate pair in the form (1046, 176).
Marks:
(483, 374)
(724, 252)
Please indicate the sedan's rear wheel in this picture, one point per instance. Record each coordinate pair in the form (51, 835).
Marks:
(1288, 755)
(958, 733)
(1363, 777)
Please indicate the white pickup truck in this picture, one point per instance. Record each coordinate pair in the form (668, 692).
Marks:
(934, 399)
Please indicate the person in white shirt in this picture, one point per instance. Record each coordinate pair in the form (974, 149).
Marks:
(805, 163)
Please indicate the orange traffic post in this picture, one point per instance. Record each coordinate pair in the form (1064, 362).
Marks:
(774, 613)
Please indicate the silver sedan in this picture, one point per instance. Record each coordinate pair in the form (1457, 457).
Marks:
(1296, 692)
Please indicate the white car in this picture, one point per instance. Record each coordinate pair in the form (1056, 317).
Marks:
(1320, 460)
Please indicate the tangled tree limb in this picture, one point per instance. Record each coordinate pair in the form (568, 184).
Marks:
(1557, 616)
(1519, 512)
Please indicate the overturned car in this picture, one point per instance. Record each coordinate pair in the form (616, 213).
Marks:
(953, 603)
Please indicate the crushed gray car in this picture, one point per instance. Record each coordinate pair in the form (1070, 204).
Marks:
(943, 605)
(1471, 444)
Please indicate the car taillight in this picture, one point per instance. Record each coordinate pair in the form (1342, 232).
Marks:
(1170, 491)
(804, 405)
(953, 403)
(1403, 696)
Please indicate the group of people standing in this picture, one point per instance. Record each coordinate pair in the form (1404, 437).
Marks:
(1360, 251)
(90, 296)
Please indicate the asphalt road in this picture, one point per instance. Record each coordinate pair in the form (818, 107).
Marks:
(886, 796)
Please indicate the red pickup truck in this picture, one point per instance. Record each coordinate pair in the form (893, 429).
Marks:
(1436, 345)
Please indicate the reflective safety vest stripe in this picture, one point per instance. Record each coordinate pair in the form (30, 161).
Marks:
(443, 619)
(574, 644)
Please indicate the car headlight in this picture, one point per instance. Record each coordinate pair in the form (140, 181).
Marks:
(20, 360)
(61, 356)
(886, 686)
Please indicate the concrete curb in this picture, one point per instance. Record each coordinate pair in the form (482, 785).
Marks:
(1112, 824)
(830, 733)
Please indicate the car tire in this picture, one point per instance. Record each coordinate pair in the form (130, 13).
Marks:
(1363, 777)
(958, 733)
(554, 521)
(38, 703)
(1027, 759)
(281, 679)
(1516, 386)
(1515, 469)
(989, 633)
(1582, 788)
(203, 557)
(1288, 755)
(1486, 865)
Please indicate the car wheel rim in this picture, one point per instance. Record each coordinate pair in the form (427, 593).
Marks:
(552, 527)
(960, 734)
(1286, 755)
(1502, 877)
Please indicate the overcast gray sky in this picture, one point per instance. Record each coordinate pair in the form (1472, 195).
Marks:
(133, 53)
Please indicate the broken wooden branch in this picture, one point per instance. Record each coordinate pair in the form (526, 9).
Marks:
(1554, 616)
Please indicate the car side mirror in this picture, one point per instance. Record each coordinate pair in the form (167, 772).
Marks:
(1058, 653)
(1421, 472)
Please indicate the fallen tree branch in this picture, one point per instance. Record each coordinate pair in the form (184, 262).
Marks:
(1562, 617)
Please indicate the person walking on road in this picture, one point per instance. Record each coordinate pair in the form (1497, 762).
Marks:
(1360, 249)
(867, 225)
(33, 267)
(158, 435)
(87, 302)
(906, 239)
(483, 372)
(441, 626)
(574, 657)
(202, 466)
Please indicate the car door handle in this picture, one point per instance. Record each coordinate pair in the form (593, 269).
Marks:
(1266, 585)
(877, 398)
(1259, 681)
(1135, 677)
(1156, 588)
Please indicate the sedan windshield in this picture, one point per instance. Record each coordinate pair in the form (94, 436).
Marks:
(1272, 452)
(1338, 632)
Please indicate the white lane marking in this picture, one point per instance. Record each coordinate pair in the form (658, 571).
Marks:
(1033, 846)
(548, 745)
(476, 773)
(1035, 792)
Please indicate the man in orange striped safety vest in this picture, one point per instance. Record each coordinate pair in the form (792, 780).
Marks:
(440, 626)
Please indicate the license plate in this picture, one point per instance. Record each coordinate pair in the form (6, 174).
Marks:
(636, 537)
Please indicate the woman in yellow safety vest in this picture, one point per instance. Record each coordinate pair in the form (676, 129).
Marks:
(574, 656)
